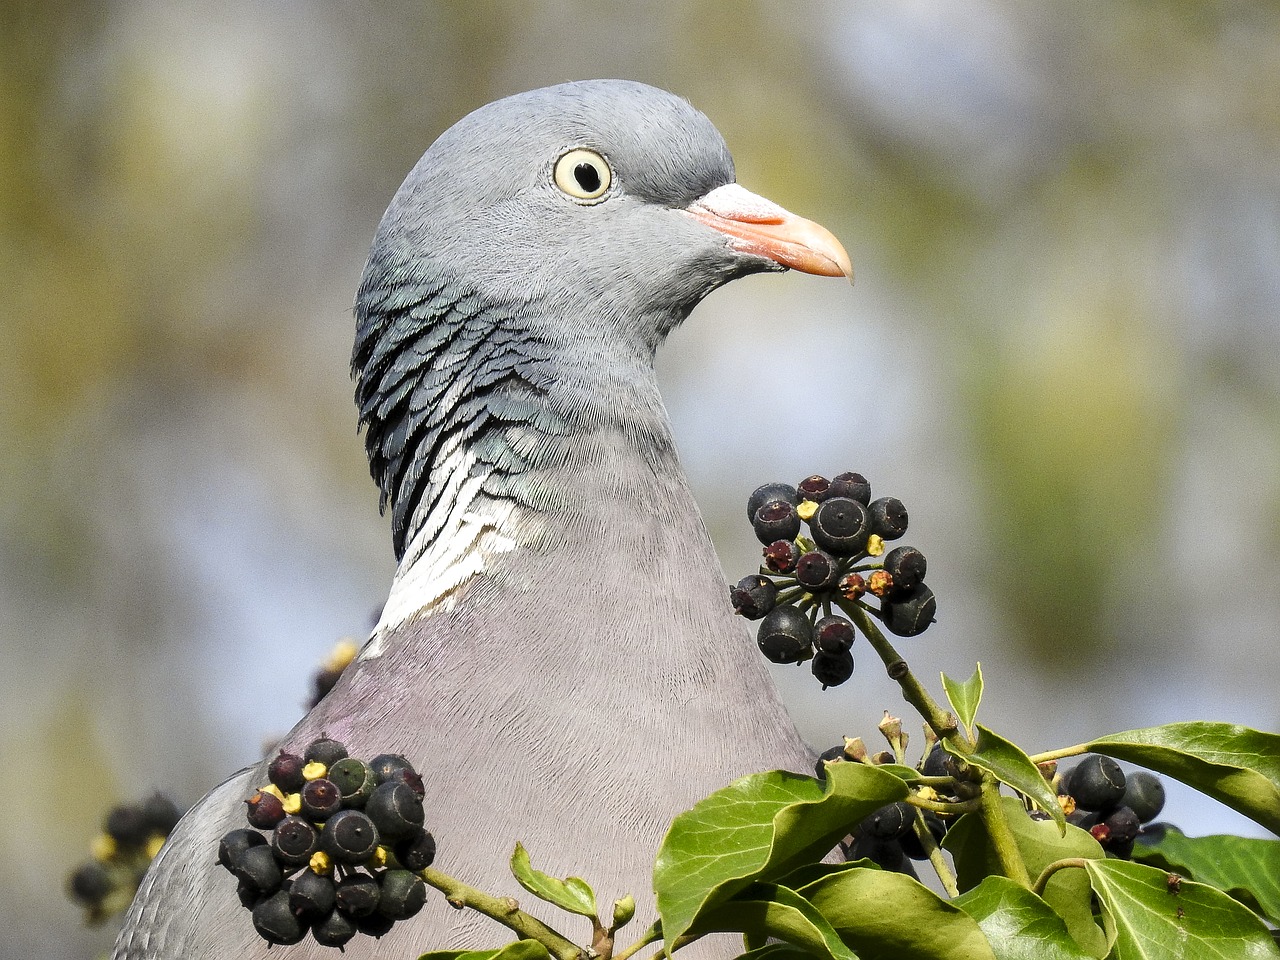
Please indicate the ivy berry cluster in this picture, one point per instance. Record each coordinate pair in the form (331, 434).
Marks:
(132, 835)
(836, 564)
(334, 846)
(1097, 796)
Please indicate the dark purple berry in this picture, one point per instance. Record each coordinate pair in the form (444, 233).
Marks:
(769, 493)
(162, 814)
(817, 570)
(357, 895)
(321, 799)
(833, 635)
(888, 518)
(90, 884)
(1097, 783)
(851, 485)
(335, 930)
(128, 826)
(294, 840)
(781, 556)
(753, 596)
(830, 755)
(403, 894)
(235, 843)
(832, 669)
(1144, 795)
(264, 810)
(907, 567)
(816, 488)
(395, 809)
(384, 764)
(889, 822)
(410, 778)
(258, 870)
(912, 614)
(324, 750)
(350, 837)
(841, 526)
(776, 520)
(785, 635)
(312, 895)
(285, 771)
(275, 922)
(417, 851)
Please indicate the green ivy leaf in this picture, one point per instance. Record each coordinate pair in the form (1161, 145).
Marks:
(1008, 764)
(520, 950)
(965, 697)
(1040, 844)
(887, 916)
(1233, 764)
(759, 827)
(1247, 868)
(766, 910)
(1017, 923)
(1147, 919)
(776, 951)
(572, 893)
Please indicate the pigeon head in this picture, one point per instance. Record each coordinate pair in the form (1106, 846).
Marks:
(525, 273)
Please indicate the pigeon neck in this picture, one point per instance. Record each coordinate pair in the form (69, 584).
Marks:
(489, 431)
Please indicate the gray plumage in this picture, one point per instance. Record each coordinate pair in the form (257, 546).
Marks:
(557, 655)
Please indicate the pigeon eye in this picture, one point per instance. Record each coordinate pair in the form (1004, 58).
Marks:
(583, 174)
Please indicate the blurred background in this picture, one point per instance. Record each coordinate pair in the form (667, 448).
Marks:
(1061, 353)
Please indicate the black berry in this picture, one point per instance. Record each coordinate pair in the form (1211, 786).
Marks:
(285, 771)
(889, 822)
(403, 894)
(350, 837)
(417, 851)
(833, 635)
(257, 869)
(395, 809)
(128, 825)
(776, 520)
(785, 635)
(851, 485)
(1144, 795)
(817, 570)
(321, 799)
(312, 895)
(816, 488)
(832, 669)
(161, 813)
(888, 518)
(90, 884)
(1097, 783)
(275, 922)
(907, 566)
(335, 930)
(294, 840)
(324, 750)
(384, 764)
(912, 614)
(231, 846)
(769, 493)
(781, 556)
(841, 526)
(753, 596)
(357, 895)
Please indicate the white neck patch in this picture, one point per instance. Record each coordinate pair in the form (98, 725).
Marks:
(451, 545)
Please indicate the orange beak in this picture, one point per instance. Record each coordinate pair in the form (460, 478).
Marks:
(759, 226)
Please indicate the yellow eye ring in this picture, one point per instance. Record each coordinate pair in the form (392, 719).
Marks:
(584, 175)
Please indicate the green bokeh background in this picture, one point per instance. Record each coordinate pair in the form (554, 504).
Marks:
(1062, 353)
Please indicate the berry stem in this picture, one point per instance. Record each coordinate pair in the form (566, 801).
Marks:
(944, 724)
(936, 859)
(1042, 881)
(1075, 751)
(1002, 841)
(505, 910)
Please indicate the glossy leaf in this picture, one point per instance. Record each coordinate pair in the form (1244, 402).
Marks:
(1039, 844)
(1008, 764)
(965, 697)
(1233, 764)
(766, 910)
(1018, 924)
(1148, 918)
(759, 827)
(886, 916)
(1248, 868)
(572, 893)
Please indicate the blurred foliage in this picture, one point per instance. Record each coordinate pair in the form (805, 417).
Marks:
(1075, 208)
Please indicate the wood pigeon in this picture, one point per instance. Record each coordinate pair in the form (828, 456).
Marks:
(557, 656)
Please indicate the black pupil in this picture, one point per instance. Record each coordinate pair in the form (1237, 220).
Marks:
(588, 177)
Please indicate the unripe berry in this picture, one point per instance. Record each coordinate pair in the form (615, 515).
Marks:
(781, 556)
(354, 779)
